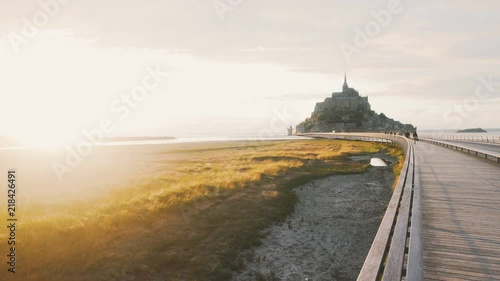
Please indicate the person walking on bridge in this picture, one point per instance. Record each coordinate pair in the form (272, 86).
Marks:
(415, 136)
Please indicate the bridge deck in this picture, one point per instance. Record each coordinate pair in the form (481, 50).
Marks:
(460, 215)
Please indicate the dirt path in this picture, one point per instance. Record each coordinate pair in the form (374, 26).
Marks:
(330, 232)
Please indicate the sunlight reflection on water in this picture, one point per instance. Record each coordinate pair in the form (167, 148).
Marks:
(378, 162)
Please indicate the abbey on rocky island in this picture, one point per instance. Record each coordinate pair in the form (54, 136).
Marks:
(347, 111)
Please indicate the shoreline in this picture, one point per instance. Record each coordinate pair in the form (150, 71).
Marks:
(161, 141)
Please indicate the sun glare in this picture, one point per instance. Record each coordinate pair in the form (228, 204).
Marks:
(47, 141)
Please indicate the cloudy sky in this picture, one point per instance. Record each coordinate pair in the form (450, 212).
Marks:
(241, 66)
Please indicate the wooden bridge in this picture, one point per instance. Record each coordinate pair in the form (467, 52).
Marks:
(443, 220)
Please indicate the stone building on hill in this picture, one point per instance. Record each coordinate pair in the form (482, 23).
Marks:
(347, 111)
(349, 99)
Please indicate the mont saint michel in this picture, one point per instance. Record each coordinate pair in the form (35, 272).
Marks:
(348, 111)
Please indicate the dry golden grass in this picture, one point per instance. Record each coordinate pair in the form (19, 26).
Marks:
(210, 202)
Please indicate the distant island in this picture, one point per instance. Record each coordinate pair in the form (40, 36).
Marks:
(347, 111)
(473, 130)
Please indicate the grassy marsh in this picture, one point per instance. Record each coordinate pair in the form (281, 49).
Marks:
(207, 203)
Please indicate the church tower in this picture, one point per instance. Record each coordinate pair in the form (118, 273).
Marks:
(345, 86)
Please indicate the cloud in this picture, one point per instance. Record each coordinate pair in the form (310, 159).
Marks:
(299, 97)
(432, 51)
(303, 36)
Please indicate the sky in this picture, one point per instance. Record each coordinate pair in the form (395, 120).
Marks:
(241, 67)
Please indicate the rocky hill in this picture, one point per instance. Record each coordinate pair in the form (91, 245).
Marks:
(347, 111)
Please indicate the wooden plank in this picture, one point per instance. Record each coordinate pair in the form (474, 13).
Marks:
(476, 249)
(473, 256)
(467, 265)
(480, 237)
(472, 231)
(461, 242)
(452, 274)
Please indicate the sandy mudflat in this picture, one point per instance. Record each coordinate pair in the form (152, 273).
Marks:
(329, 234)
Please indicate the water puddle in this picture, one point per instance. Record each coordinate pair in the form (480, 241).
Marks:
(378, 162)
(374, 161)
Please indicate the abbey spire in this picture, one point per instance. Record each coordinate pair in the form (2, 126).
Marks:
(345, 86)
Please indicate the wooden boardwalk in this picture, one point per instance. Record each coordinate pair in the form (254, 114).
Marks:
(460, 207)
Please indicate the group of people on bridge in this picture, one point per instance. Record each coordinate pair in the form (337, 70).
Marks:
(406, 134)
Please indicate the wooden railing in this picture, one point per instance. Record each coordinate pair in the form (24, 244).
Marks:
(465, 137)
(477, 152)
(396, 251)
